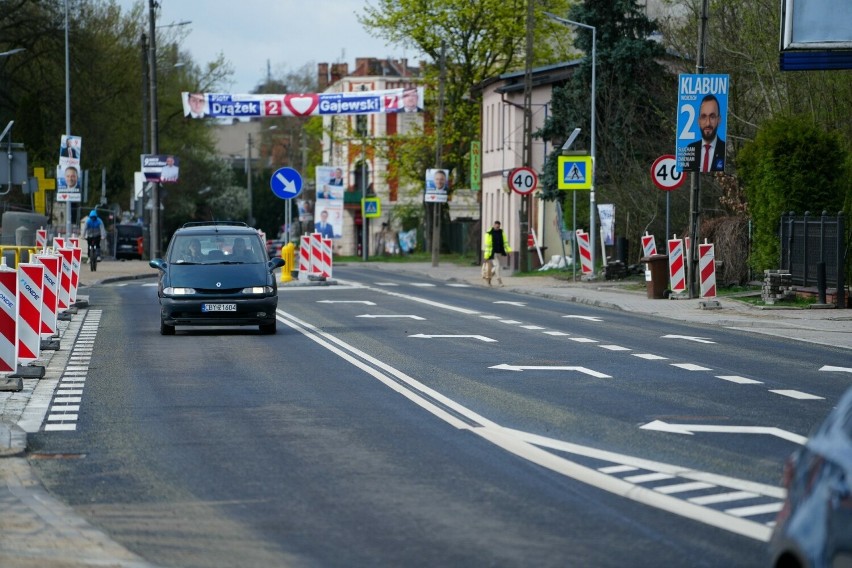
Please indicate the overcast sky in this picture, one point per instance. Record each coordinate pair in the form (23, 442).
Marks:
(285, 33)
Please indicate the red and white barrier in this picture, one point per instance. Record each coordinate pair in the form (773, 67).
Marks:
(58, 243)
(649, 245)
(41, 239)
(8, 318)
(707, 270)
(76, 265)
(65, 278)
(585, 250)
(676, 265)
(304, 257)
(50, 293)
(326, 257)
(30, 278)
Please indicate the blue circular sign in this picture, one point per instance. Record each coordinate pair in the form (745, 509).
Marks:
(286, 183)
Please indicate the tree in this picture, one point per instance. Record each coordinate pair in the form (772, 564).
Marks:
(635, 102)
(791, 165)
(481, 40)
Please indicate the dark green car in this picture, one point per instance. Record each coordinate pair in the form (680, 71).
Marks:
(217, 274)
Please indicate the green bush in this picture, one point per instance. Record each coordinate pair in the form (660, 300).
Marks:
(792, 165)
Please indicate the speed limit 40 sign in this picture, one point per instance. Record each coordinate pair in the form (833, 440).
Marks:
(523, 180)
(664, 173)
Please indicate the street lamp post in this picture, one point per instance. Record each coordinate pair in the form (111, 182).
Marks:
(592, 133)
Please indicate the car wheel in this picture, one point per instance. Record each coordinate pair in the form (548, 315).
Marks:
(268, 328)
(166, 329)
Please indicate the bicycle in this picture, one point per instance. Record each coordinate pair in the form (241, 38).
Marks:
(94, 252)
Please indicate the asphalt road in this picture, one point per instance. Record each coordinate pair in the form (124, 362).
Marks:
(405, 422)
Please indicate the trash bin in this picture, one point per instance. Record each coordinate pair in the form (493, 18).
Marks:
(656, 275)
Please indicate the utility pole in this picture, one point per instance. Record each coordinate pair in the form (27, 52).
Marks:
(436, 207)
(248, 178)
(695, 180)
(525, 221)
(152, 70)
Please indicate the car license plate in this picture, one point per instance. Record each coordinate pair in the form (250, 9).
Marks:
(218, 307)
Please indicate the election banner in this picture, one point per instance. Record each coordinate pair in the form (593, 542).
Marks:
(227, 105)
(436, 186)
(701, 123)
(160, 168)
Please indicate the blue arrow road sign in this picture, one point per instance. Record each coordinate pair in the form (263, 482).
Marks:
(286, 183)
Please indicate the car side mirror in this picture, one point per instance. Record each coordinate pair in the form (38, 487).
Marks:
(158, 263)
(274, 263)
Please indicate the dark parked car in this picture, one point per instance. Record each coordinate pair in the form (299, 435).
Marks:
(814, 529)
(217, 274)
(128, 241)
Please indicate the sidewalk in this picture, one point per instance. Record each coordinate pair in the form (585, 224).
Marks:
(37, 531)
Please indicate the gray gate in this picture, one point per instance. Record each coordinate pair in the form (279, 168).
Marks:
(806, 242)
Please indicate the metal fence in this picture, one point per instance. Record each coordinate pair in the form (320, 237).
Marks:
(807, 241)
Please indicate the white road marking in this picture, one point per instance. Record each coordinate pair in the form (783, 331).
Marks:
(479, 337)
(389, 284)
(649, 356)
(723, 497)
(519, 304)
(739, 380)
(690, 429)
(684, 487)
(365, 302)
(617, 469)
(556, 333)
(423, 284)
(798, 395)
(832, 368)
(688, 338)
(533, 327)
(584, 340)
(690, 367)
(59, 427)
(587, 318)
(614, 347)
(584, 370)
(373, 316)
(755, 509)
(510, 322)
(646, 477)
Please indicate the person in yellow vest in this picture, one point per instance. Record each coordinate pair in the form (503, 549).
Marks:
(496, 242)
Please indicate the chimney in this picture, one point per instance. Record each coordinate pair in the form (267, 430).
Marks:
(322, 76)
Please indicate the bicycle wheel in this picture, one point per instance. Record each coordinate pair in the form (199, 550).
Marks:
(93, 260)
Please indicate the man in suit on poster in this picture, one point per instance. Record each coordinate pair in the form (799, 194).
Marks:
(707, 154)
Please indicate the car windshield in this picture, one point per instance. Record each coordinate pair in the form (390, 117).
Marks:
(215, 249)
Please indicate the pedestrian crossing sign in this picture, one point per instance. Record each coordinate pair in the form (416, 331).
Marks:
(575, 172)
(371, 207)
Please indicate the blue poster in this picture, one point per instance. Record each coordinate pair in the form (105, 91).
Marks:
(701, 123)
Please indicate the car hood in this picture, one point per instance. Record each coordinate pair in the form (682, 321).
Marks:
(227, 275)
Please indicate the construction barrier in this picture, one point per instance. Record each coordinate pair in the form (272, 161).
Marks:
(8, 318)
(29, 299)
(707, 270)
(676, 265)
(76, 265)
(649, 245)
(65, 278)
(585, 250)
(50, 293)
(41, 239)
(304, 257)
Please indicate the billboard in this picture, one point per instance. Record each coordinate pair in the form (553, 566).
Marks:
(701, 123)
(816, 34)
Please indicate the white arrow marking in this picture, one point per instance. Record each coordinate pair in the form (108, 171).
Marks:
(390, 316)
(367, 302)
(479, 337)
(588, 318)
(689, 338)
(519, 304)
(289, 185)
(840, 369)
(690, 429)
(508, 367)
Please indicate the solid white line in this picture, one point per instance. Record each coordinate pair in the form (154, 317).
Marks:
(690, 367)
(739, 380)
(797, 394)
(723, 497)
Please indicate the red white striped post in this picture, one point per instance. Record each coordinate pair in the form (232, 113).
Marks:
(327, 257)
(76, 264)
(65, 279)
(676, 266)
(50, 292)
(8, 318)
(649, 245)
(304, 257)
(585, 249)
(41, 239)
(707, 269)
(316, 254)
(30, 278)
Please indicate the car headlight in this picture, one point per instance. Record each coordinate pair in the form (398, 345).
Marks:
(170, 291)
(258, 290)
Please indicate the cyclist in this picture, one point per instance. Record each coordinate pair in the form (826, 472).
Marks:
(94, 232)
